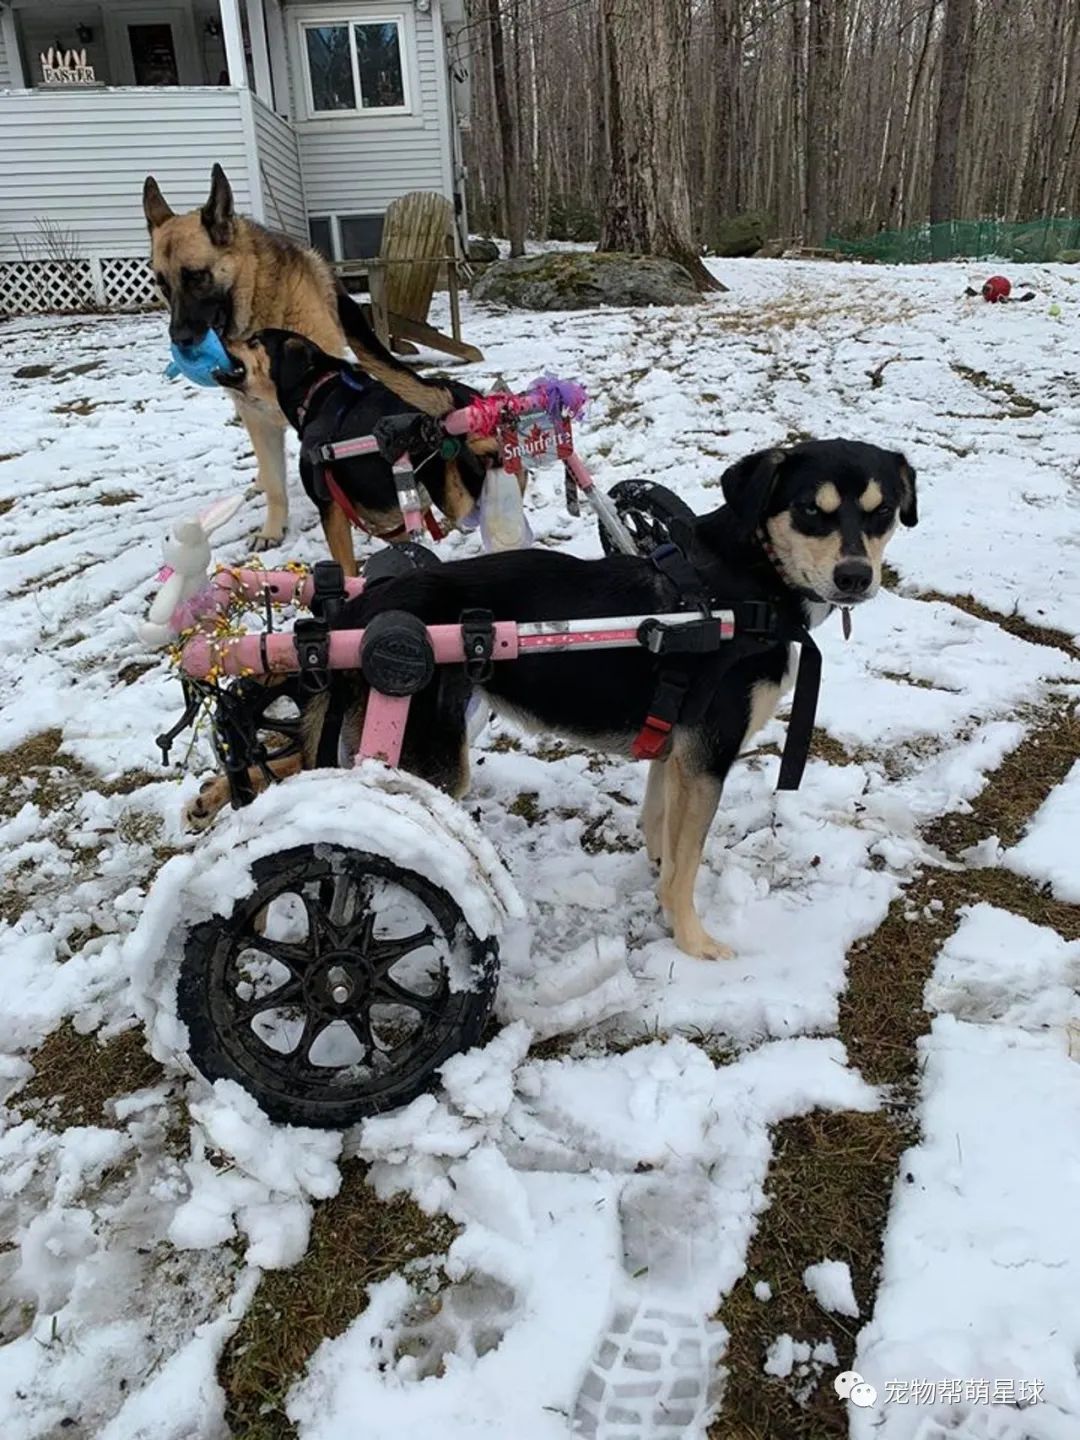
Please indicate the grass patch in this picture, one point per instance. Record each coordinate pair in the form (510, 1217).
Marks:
(1012, 624)
(356, 1240)
(36, 544)
(832, 1175)
(77, 407)
(1017, 787)
(76, 1075)
(526, 806)
(1023, 406)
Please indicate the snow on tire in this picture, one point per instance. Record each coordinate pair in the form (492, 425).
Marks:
(328, 947)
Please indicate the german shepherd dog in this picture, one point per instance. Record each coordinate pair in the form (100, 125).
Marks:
(217, 270)
(326, 399)
(803, 528)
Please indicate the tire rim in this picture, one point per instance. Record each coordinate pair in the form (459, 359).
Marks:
(331, 982)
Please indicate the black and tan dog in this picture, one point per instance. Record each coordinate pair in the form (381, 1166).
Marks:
(803, 529)
(328, 400)
(217, 270)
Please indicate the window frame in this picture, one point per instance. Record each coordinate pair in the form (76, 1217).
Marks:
(405, 50)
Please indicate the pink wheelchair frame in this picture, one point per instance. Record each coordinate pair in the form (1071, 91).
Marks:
(205, 656)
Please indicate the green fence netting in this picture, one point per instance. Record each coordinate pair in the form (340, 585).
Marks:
(1031, 240)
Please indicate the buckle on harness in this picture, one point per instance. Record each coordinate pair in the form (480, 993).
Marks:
(329, 593)
(312, 640)
(478, 641)
(696, 637)
(654, 737)
(757, 618)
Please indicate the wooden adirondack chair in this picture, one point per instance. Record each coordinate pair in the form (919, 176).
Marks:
(417, 241)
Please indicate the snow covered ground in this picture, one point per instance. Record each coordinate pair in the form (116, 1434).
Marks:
(606, 1194)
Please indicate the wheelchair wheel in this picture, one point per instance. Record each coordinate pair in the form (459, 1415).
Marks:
(336, 988)
(653, 515)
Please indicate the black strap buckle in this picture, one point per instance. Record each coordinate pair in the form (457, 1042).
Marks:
(312, 640)
(329, 593)
(756, 619)
(478, 641)
(696, 637)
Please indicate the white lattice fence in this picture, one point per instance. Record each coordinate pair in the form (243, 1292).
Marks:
(57, 286)
(128, 284)
(46, 285)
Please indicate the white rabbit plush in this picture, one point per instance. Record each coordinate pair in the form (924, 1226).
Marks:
(187, 558)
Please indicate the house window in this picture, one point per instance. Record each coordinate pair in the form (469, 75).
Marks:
(356, 66)
(321, 231)
(361, 236)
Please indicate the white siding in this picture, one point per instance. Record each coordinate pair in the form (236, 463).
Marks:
(279, 172)
(78, 159)
(356, 165)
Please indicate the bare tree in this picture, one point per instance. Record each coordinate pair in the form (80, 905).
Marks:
(831, 116)
(513, 191)
(819, 108)
(955, 48)
(648, 203)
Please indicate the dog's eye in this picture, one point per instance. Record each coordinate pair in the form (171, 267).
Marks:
(196, 279)
(882, 514)
(808, 509)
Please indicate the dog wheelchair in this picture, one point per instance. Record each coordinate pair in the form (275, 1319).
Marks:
(339, 936)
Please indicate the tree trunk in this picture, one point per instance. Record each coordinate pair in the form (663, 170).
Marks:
(798, 112)
(955, 57)
(514, 203)
(648, 203)
(819, 104)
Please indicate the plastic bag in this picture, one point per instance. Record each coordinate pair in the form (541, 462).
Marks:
(503, 525)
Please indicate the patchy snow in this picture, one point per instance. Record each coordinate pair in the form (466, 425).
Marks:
(981, 1263)
(137, 1237)
(1048, 851)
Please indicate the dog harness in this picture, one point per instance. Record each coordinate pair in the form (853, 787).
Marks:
(322, 456)
(688, 678)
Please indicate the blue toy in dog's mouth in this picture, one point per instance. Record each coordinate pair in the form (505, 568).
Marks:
(202, 362)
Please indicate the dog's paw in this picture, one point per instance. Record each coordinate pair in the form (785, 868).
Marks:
(199, 814)
(261, 541)
(252, 492)
(695, 940)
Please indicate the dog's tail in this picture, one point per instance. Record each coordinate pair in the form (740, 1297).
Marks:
(427, 396)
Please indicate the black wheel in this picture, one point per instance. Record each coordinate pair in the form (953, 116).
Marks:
(653, 514)
(334, 990)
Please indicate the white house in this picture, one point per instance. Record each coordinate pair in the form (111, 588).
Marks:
(320, 111)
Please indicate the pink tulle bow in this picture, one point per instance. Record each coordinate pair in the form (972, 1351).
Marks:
(560, 397)
(188, 614)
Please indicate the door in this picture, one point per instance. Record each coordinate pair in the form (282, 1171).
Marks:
(152, 45)
(153, 54)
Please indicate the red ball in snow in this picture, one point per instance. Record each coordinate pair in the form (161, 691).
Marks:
(996, 288)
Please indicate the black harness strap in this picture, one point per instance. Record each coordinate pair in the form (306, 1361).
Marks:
(800, 730)
(689, 679)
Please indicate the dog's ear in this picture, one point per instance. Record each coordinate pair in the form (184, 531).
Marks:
(909, 508)
(155, 207)
(748, 486)
(218, 215)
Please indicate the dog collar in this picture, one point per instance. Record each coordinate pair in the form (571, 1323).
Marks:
(313, 390)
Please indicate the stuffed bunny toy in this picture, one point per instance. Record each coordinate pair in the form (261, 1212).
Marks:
(186, 550)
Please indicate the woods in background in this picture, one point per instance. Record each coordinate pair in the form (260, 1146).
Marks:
(648, 124)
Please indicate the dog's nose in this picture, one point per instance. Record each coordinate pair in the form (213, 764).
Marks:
(853, 577)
